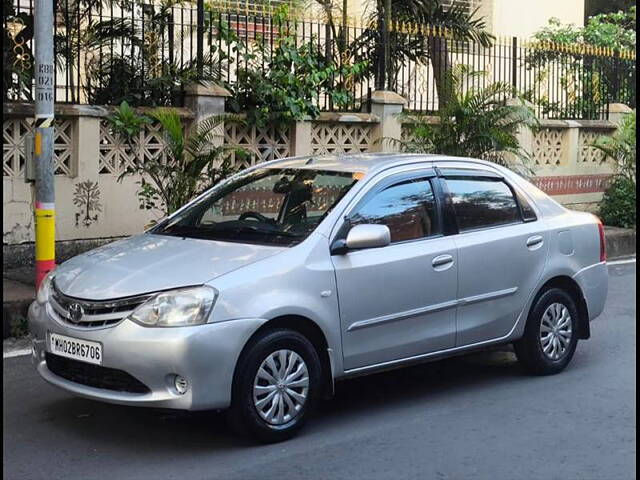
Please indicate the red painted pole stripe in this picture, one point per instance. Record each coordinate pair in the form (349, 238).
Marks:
(42, 268)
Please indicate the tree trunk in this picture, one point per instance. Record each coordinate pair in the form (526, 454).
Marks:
(441, 65)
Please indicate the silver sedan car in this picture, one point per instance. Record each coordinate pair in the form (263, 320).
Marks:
(262, 292)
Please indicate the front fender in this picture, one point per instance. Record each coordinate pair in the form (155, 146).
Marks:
(299, 281)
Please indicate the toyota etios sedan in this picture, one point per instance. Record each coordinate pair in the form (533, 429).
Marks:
(257, 295)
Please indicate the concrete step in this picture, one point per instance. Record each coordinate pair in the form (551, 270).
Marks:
(621, 242)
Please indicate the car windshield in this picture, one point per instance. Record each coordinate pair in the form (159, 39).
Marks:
(266, 206)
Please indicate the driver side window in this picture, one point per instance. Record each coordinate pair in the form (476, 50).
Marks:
(408, 208)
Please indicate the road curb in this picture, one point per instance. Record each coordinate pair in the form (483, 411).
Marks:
(621, 242)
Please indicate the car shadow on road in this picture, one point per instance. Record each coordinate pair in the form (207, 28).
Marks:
(118, 426)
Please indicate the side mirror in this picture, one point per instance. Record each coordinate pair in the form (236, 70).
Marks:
(363, 236)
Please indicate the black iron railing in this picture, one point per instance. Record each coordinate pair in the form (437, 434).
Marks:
(107, 51)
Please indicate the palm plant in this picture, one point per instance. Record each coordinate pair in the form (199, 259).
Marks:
(621, 147)
(121, 58)
(618, 205)
(81, 33)
(476, 122)
(459, 25)
(191, 165)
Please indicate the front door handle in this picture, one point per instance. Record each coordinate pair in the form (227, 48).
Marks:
(442, 262)
(534, 241)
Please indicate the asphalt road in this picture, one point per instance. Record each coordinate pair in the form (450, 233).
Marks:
(475, 417)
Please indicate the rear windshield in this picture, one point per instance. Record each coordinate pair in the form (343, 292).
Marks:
(264, 206)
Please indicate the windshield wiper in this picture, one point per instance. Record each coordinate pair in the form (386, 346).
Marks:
(260, 231)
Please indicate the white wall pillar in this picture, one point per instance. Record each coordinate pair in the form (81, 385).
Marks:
(617, 111)
(387, 106)
(301, 141)
(205, 100)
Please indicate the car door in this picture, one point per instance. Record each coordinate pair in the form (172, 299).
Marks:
(397, 301)
(502, 249)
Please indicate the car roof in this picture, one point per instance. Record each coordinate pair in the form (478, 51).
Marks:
(369, 162)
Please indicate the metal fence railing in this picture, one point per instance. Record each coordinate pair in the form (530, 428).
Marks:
(107, 51)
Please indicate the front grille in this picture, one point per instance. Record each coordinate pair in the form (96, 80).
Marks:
(95, 313)
(94, 375)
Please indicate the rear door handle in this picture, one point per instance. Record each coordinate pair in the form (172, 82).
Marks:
(442, 261)
(534, 241)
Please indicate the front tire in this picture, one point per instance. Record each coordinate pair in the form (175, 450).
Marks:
(276, 386)
(551, 334)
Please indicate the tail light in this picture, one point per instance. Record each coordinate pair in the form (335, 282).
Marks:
(603, 243)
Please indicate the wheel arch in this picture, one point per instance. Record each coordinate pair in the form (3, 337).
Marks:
(570, 286)
(310, 330)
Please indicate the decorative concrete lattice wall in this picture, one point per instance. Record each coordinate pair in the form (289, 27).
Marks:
(587, 154)
(14, 133)
(406, 132)
(94, 202)
(341, 137)
(263, 145)
(547, 147)
(116, 156)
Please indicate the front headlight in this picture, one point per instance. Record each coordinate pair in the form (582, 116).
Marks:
(176, 308)
(45, 288)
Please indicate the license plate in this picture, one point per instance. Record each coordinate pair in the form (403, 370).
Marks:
(75, 348)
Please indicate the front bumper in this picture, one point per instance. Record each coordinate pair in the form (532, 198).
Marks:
(205, 355)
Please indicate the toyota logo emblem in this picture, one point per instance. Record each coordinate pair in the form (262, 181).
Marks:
(75, 312)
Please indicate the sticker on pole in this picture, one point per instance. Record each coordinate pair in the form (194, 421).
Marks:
(44, 92)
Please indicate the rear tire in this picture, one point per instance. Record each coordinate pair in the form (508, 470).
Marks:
(551, 334)
(276, 386)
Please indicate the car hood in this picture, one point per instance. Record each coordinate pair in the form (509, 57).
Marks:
(148, 263)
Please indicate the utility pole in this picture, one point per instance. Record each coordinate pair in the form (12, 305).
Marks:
(43, 139)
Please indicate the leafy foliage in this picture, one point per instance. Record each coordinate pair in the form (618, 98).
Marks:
(476, 122)
(592, 80)
(460, 24)
(621, 147)
(283, 81)
(124, 60)
(192, 164)
(611, 30)
(618, 205)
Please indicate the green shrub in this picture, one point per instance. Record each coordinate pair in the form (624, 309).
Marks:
(282, 80)
(476, 122)
(191, 164)
(618, 205)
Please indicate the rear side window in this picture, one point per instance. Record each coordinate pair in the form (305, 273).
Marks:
(407, 208)
(482, 202)
(527, 212)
